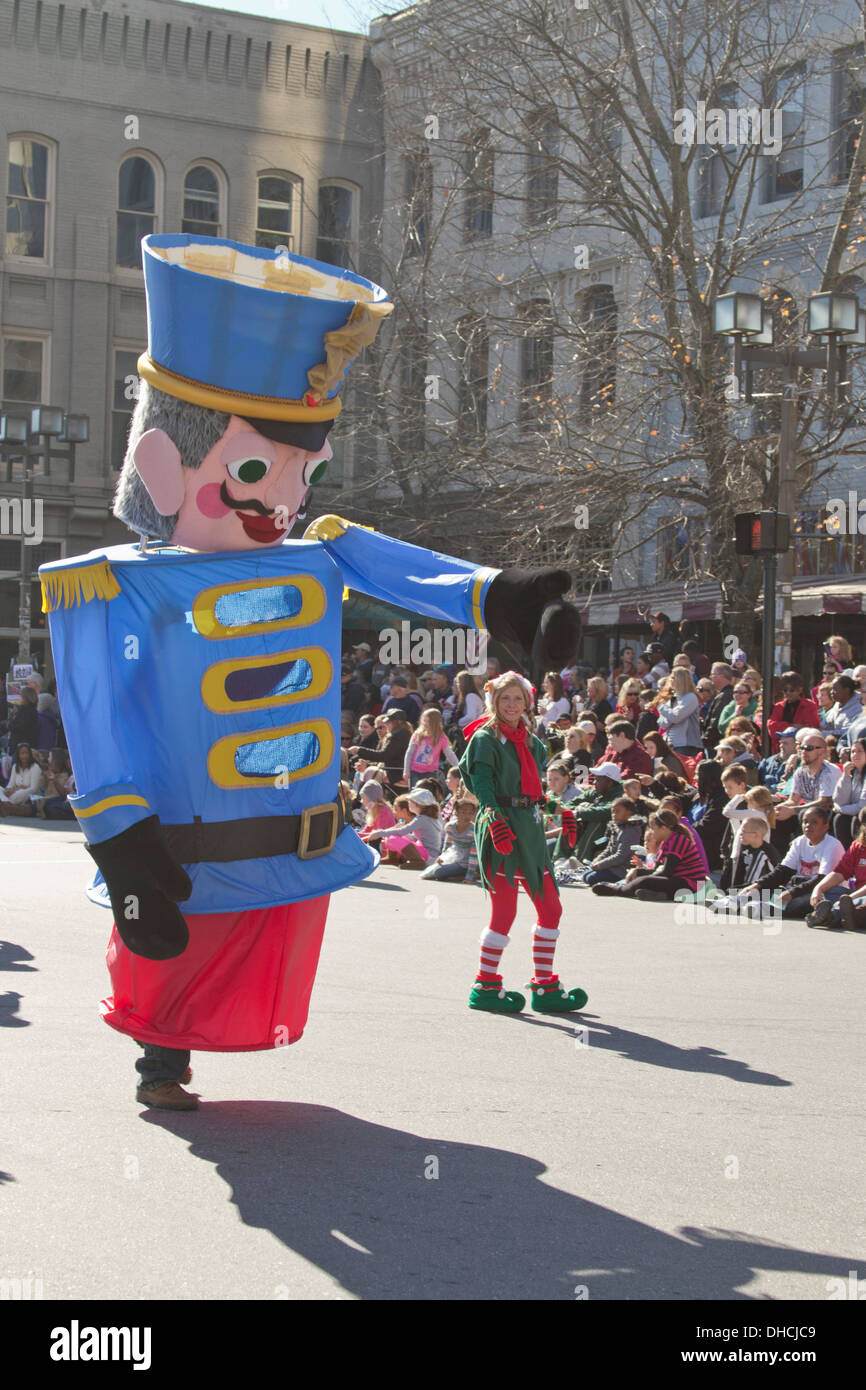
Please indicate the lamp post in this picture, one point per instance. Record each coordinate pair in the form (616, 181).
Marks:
(21, 437)
(746, 319)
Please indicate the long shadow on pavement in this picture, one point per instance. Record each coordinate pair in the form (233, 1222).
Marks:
(655, 1052)
(485, 1228)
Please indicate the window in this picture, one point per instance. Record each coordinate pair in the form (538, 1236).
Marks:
(716, 166)
(478, 201)
(684, 549)
(275, 211)
(201, 202)
(542, 171)
(24, 374)
(419, 200)
(124, 396)
(474, 349)
(136, 209)
(535, 388)
(27, 201)
(785, 173)
(821, 549)
(849, 102)
(597, 336)
(335, 242)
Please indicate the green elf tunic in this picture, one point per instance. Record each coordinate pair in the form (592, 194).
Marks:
(491, 770)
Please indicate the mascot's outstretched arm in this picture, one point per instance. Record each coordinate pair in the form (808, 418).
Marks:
(512, 605)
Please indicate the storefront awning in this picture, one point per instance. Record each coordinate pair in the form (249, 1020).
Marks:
(813, 601)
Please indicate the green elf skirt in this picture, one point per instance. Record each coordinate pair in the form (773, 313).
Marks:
(490, 767)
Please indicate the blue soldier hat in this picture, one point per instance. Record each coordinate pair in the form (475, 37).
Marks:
(252, 331)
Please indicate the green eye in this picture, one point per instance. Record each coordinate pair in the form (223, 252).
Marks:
(315, 472)
(250, 470)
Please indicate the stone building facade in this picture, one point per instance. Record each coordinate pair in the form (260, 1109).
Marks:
(134, 116)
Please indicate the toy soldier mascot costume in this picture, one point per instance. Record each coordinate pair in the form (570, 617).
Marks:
(196, 668)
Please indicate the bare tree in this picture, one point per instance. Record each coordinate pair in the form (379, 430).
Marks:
(550, 223)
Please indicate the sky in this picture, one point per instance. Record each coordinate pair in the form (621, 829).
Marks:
(354, 15)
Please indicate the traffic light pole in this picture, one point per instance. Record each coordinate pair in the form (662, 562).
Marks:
(768, 646)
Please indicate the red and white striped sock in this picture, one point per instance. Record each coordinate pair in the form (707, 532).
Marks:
(543, 950)
(493, 943)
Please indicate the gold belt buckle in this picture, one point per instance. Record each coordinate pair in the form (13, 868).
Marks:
(303, 852)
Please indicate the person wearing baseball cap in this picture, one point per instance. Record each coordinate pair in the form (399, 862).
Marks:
(363, 662)
(591, 809)
(771, 770)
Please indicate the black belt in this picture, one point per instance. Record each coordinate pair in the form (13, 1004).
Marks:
(308, 835)
(510, 803)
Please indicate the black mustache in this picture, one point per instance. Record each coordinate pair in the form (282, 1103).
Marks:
(251, 505)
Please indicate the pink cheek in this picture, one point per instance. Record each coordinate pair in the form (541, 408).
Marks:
(209, 502)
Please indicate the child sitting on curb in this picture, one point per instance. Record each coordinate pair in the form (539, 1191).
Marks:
(377, 813)
(753, 856)
(457, 841)
(418, 835)
(679, 867)
(834, 903)
(623, 834)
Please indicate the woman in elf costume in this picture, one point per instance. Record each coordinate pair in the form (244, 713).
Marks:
(502, 766)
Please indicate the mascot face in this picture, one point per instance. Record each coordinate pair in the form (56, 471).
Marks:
(247, 493)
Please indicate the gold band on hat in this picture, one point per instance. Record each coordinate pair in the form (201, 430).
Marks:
(234, 402)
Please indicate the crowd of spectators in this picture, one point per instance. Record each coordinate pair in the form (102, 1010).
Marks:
(660, 760)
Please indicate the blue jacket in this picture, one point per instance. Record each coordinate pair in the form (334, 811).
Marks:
(199, 686)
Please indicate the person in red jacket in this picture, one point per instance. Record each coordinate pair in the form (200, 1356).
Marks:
(623, 749)
(794, 709)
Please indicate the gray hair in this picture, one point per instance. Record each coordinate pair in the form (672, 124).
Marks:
(194, 429)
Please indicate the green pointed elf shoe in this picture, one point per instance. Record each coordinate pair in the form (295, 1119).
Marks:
(551, 998)
(489, 996)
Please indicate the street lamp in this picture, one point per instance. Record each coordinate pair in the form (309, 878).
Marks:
(836, 320)
(21, 436)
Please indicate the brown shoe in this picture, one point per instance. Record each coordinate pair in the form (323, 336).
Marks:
(168, 1096)
(187, 1077)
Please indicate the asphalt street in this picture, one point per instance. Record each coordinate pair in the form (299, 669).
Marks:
(696, 1132)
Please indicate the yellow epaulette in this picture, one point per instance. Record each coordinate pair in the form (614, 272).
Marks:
(79, 584)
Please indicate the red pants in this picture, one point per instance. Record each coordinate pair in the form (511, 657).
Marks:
(503, 902)
(243, 984)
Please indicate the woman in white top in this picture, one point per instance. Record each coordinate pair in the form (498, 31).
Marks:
(25, 781)
(469, 703)
(554, 702)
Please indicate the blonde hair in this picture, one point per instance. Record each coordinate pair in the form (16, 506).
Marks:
(597, 683)
(754, 824)
(736, 745)
(628, 690)
(682, 682)
(760, 799)
(845, 654)
(432, 716)
(496, 687)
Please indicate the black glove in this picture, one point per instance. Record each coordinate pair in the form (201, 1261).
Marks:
(526, 605)
(145, 883)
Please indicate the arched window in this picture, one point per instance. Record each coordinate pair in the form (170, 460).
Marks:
(136, 209)
(535, 386)
(336, 240)
(202, 202)
(28, 197)
(598, 325)
(419, 200)
(276, 216)
(473, 342)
